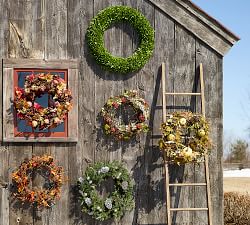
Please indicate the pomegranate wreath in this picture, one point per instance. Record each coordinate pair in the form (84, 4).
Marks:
(114, 126)
(36, 115)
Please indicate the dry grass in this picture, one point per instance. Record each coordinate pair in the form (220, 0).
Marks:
(236, 208)
(237, 184)
(236, 200)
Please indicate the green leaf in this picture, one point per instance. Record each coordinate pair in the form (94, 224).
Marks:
(104, 20)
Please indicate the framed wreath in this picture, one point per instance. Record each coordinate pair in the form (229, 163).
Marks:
(36, 115)
(185, 137)
(44, 165)
(117, 202)
(137, 123)
(104, 20)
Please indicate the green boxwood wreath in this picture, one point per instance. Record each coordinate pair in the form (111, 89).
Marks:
(104, 20)
(117, 202)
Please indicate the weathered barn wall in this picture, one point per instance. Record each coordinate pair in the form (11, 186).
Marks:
(56, 30)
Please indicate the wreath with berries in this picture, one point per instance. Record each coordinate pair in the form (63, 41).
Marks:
(117, 202)
(54, 179)
(185, 137)
(36, 115)
(137, 123)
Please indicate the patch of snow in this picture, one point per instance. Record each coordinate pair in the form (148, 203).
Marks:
(237, 173)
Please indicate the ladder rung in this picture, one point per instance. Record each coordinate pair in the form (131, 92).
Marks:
(188, 209)
(172, 93)
(188, 184)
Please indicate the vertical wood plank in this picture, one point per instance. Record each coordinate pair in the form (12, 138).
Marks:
(213, 79)
(19, 42)
(130, 150)
(4, 206)
(3, 42)
(56, 29)
(41, 217)
(184, 81)
(79, 16)
(73, 115)
(26, 38)
(4, 28)
(146, 163)
(8, 122)
(108, 84)
(61, 209)
(4, 154)
(17, 154)
(107, 149)
(164, 52)
(27, 41)
(55, 47)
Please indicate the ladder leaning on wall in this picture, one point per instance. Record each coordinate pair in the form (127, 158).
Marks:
(168, 185)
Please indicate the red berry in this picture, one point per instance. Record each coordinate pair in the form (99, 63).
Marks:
(123, 99)
(138, 126)
(142, 117)
(115, 105)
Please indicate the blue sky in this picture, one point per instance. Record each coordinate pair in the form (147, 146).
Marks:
(235, 15)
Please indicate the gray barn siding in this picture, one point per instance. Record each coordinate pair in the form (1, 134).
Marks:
(56, 30)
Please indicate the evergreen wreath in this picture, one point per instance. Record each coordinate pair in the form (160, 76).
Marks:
(185, 137)
(35, 115)
(117, 202)
(104, 20)
(113, 126)
(38, 197)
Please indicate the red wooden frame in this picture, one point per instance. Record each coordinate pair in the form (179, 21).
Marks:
(39, 134)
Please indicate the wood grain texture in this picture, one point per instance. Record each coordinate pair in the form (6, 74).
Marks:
(165, 46)
(3, 41)
(4, 154)
(73, 114)
(131, 151)
(19, 43)
(17, 154)
(111, 84)
(55, 47)
(79, 16)
(26, 37)
(8, 122)
(213, 79)
(211, 22)
(55, 32)
(41, 63)
(39, 139)
(26, 40)
(149, 199)
(184, 80)
(4, 206)
(203, 31)
(55, 29)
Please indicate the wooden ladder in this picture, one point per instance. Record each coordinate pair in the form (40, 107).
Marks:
(168, 185)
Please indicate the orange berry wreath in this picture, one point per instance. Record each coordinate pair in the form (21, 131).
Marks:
(39, 197)
(36, 115)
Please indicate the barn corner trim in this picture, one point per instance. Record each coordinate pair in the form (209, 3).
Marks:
(198, 22)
